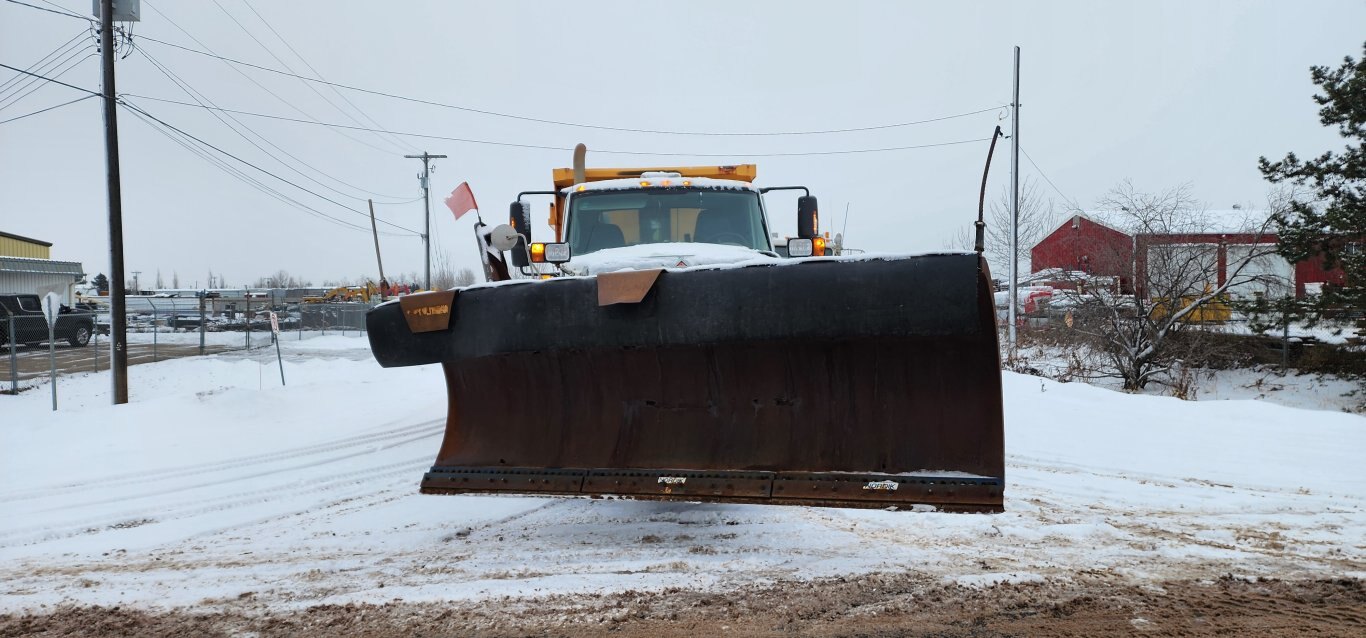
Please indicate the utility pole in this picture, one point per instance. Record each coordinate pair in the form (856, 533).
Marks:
(425, 178)
(118, 320)
(137, 287)
(374, 230)
(1014, 201)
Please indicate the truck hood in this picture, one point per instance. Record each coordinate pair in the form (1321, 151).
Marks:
(667, 255)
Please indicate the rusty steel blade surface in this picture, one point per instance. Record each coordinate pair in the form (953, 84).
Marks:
(848, 383)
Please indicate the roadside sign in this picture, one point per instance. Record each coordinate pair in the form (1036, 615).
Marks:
(275, 328)
(52, 304)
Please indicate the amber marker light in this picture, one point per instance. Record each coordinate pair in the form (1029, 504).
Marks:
(538, 252)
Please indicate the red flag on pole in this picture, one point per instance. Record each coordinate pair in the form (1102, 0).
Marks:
(461, 200)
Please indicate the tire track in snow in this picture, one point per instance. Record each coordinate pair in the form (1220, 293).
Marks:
(1063, 467)
(132, 478)
(240, 477)
(160, 513)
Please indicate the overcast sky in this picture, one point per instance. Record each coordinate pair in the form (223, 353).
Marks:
(1162, 93)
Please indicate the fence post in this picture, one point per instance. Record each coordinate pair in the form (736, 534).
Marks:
(246, 317)
(155, 330)
(1285, 340)
(13, 358)
(96, 337)
(202, 321)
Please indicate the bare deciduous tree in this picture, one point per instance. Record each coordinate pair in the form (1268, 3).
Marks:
(1177, 276)
(1037, 219)
(281, 279)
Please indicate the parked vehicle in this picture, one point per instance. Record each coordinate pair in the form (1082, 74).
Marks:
(30, 325)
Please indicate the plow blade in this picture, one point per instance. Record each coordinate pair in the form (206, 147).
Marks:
(869, 383)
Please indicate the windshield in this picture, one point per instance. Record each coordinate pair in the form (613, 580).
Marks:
(616, 218)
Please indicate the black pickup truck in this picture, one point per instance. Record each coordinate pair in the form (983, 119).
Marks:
(30, 326)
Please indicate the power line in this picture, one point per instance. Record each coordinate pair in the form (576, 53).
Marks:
(315, 71)
(61, 68)
(59, 51)
(200, 98)
(188, 143)
(565, 123)
(52, 61)
(57, 106)
(307, 84)
(60, 13)
(1065, 198)
(241, 176)
(253, 80)
(566, 148)
(261, 170)
(406, 201)
(54, 81)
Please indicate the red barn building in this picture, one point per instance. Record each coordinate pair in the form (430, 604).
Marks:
(1082, 244)
(1096, 244)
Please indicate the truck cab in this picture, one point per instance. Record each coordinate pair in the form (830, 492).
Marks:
(664, 207)
(609, 219)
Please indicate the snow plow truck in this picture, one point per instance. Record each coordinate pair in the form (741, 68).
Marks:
(660, 348)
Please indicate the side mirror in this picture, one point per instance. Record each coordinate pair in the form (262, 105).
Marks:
(503, 238)
(519, 217)
(808, 220)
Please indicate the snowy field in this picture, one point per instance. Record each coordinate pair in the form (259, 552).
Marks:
(216, 485)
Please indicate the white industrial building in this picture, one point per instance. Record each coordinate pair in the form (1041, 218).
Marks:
(25, 268)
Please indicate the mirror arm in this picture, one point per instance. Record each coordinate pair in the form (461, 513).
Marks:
(803, 189)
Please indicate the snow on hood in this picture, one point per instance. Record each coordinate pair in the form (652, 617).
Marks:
(664, 255)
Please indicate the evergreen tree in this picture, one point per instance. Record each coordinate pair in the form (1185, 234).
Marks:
(101, 283)
(1333, 223)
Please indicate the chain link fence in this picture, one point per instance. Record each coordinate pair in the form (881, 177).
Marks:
(161, 328)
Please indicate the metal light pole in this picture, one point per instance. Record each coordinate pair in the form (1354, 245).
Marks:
(1014, 200)
(425, 177)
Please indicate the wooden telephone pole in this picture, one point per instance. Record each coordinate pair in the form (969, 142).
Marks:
(426, 178)
(118, 319)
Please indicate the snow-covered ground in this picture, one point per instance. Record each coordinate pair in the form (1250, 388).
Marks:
(217, 484)
(1311, 391)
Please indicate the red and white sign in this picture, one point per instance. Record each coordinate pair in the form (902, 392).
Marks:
(274, 323)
